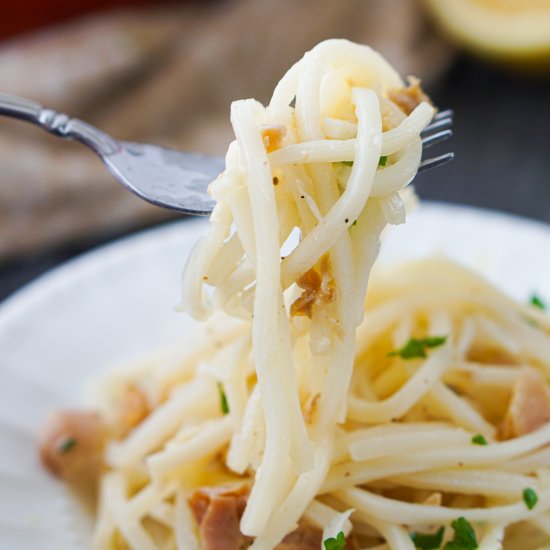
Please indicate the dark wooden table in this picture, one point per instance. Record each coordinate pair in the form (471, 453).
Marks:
(502, 146)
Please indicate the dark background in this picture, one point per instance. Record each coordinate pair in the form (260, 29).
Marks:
(501, 141)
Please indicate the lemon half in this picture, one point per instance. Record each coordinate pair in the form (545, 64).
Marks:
(509, 30)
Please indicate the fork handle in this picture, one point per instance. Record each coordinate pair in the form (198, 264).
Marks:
(58, 124)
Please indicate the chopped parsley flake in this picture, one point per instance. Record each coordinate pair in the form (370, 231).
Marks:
(417, 348)
(66, 445)
(224, 405)
(464, 536)
(537, 302)
(424, 541)
(338, 543)
(382, 162)
(479, 440)
(530, 498)
(354, 223)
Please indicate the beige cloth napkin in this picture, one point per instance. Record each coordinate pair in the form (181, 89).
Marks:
(164, 75)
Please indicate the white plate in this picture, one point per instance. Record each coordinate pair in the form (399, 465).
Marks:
(118, 302)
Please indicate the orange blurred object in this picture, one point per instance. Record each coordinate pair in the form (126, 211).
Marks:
(511, 32)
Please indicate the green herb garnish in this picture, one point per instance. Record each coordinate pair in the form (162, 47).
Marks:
(417, 348)
(224, 405)
(338, 543)
(479, 440)
(428, 542)
(537, 302)
(464, 536)
(354, 223)
(66, 445)
(381, 162)
(434, 341)
(530, 498)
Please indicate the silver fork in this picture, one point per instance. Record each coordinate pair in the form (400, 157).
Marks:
(166, 177)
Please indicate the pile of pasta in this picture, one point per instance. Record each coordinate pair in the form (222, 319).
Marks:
(431, 434)
(295, 417)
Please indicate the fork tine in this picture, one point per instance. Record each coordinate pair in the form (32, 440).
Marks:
(432, 139)
(447, 113)
(428, 164)
(438, 125)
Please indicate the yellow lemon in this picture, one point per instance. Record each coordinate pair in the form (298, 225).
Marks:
(509, 30)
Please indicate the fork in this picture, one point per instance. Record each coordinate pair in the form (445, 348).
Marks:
(167, 177)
